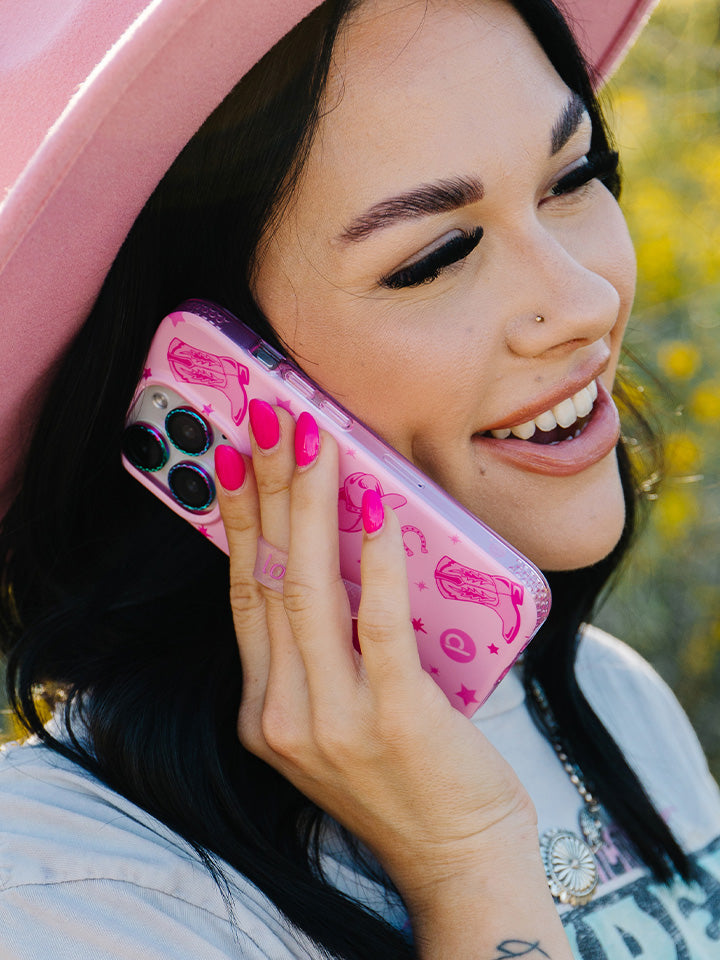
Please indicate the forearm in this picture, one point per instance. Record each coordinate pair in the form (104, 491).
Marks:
(502, 910)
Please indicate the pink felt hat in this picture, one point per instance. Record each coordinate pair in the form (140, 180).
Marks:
(97, 97)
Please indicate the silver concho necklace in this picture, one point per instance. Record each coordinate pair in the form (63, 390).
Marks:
(569, 860)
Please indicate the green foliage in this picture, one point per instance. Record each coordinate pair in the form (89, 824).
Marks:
(665, 110)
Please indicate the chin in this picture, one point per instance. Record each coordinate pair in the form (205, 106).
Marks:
(586, 528)
(589, 545)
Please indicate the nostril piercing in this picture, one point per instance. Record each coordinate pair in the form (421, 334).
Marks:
(539, 319)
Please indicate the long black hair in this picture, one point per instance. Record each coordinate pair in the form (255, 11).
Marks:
(115, 601)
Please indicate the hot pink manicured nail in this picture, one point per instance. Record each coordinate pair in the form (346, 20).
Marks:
(373, 514)
(229, 467)
(264, 423)
(307, 439)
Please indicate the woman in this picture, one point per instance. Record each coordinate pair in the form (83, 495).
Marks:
(417, 202)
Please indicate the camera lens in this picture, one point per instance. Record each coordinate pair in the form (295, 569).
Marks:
(145, 447)
(188, 430)
(191, 486)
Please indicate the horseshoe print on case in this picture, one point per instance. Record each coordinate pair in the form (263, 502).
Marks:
(193, 365)
(420, 535)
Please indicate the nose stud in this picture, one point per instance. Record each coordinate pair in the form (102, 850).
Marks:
(539, 319)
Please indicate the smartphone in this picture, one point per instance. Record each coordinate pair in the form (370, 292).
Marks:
(476, 602)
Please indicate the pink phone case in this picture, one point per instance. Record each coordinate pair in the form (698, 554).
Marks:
(475, 601)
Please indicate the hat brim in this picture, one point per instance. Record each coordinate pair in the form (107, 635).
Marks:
(101, 97)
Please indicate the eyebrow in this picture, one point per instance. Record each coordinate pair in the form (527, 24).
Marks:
(438, 197)
(572, 115)
(443, 196)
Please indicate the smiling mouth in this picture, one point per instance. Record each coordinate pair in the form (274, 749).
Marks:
(565, 421)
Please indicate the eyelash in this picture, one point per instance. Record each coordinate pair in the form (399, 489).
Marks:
(431, 266)
(599, 164)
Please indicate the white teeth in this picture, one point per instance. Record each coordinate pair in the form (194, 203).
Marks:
(565, 413)
(546, 421)
(524, 430)
(582, 401)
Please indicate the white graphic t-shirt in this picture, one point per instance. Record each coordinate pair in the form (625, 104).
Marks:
(631, 915)
(86, 873)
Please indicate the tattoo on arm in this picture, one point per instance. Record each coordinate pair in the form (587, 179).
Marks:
(520, 948)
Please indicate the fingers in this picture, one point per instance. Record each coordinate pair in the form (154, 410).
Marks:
(259, 506)
(238, 500)
(315, 597)
(272, 435)
(387, 640)
(275, 675)
(296, 646)
(274, 464)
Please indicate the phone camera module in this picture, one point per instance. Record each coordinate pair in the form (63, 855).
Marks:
(191, 486)
(188, 431)
(145, 447)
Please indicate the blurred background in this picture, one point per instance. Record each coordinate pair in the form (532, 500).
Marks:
(664, 105)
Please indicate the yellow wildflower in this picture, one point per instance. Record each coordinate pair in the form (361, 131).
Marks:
(678, 359)
(677, 510)
(683, 454)
(705, 401)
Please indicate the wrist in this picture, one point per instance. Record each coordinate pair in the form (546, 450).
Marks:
(503, 899)
(487, 870)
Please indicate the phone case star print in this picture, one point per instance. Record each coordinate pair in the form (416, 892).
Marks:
(475, 601)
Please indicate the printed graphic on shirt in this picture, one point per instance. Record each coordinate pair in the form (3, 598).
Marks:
(616, 855)
(650, 921)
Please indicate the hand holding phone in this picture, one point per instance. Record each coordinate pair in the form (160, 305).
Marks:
(372, 740)
(475, 601)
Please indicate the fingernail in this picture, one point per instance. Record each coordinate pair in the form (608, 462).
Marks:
(373, 514)
(229, 467)
(307, 439)
(264, 423)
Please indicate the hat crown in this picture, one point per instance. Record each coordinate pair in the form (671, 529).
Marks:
(97, 98)
(47, 50)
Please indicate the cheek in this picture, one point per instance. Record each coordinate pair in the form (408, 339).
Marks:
(395, 392)
(615, 260)
(388, 370)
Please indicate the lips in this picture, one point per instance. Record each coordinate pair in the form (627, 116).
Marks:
(564, 420)
(585, 442)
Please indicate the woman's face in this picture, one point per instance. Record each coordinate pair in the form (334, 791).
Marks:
(442, 121)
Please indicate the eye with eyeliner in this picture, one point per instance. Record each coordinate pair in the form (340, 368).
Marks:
(430, 266)
(599, 164)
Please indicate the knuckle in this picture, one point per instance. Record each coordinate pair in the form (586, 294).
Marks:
(298, 597)
(239, 521)
(281, 732)
(340, 740)
(249, 729)
(273, 482)
(378, 622)
(245, 595)
(335, 749)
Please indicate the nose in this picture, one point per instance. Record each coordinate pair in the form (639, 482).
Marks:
(560, 303)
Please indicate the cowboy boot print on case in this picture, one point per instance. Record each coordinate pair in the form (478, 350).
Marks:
(455, 581)
(192, 365)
